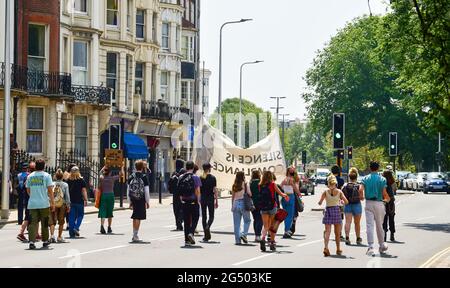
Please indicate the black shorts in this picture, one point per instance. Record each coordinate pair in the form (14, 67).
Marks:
(139, 210)
(27, 215)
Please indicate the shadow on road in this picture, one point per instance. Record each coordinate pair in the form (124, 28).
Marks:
(444, 227)
(340, 257)
(140, 243)
(111, 234)
(210, 242)
(388, 256)
(191, 247)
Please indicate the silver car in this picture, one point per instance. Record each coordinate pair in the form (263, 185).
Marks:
(418, 184)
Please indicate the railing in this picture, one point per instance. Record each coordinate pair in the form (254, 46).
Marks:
(37, 82)
(161, 110)
(92, 95)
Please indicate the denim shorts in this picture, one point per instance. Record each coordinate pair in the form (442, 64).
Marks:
(269, 212)
(354, 209)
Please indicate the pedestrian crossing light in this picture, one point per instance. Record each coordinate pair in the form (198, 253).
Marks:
(393, 144)
(114, 136)
(338, 131)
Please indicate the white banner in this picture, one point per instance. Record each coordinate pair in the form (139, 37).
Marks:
(214, 147)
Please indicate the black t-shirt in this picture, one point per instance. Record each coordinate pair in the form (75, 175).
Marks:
(208, 185)
(75, 190)
(144, 178)
(340, 182)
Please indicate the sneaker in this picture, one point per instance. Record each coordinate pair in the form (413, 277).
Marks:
(187, 243)
(32, 246)
(383, 249)
(180, 229)
(109, 230)
(244, 239)
(196, 232)
(102, 230)
(191, 239)
(22, 237)
(135, 239)
(53, 240)
(392, 237)
(77, 233)
(258, 239)
(370, 252)
(347, 241)
(46, 244)
(273, 247)
(207, 234)
(359, 241)
(262, 245)
(342, 238)
(60, 240)
(287, 235)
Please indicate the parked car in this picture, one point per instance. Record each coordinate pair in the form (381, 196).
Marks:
(400, 176)
(436, 182)
(308, 185)
(321, 175)
(418, 184)
(408, 182)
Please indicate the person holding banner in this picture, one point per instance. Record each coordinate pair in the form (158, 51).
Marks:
(269, 207)
(240, 187)
(291, 188)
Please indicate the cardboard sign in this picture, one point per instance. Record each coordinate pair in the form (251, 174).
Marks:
(113, 158)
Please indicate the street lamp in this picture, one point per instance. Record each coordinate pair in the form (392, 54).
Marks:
(240, 100)
(278, 106)
(220, 66)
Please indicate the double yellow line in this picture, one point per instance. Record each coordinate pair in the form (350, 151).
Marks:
(433, 260)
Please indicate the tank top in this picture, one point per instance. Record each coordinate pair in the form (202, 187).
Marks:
(332, 200)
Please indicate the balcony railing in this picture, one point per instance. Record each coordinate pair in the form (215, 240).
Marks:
(161, 110)
(37, 82)
(91, 95)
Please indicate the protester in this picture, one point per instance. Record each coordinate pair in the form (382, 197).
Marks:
(138, 197)
(239, 189)
(256, 195)
(107, 199)
(389, 218)
(61, 196)
(177, 206)
(374, 189)
(78, 200)
(332, 214)
(66, 177)
(291, 188)
(21, 192)
(40, 189)
(27, 219)
(353, 210)
(189, 191)
(268, 206)
(197, 180)
(208, 199)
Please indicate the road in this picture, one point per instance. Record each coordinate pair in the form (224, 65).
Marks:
(423, 224)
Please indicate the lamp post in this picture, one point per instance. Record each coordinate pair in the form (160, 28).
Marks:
(277, 108)
(240, 101)
(220, 66)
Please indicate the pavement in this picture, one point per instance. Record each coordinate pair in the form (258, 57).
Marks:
(423, 227)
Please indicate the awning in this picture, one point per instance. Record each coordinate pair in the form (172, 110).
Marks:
(135, 147)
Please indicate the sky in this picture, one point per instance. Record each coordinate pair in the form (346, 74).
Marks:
(285, 34)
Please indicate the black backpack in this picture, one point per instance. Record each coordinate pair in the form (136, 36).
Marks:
(173, 183)
(136, 188)
(267, 199)
(351, 192)
(186, 188)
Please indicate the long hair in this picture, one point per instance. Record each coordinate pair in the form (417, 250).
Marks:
(256, 175)
(75, 175)
(389, 177)
(238, 182)
(267, 178)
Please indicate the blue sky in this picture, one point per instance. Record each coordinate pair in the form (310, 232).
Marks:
(286, 34)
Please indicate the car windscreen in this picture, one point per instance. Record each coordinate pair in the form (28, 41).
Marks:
(435, 176)
(322, 174)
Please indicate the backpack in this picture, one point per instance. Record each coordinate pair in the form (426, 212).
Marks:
(173, 183)
(22, 178)
(186, 188)
(267, 199)
(58, 196)
(136, 189)
(351, 192)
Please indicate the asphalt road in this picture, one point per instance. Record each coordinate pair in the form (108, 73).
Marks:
(423, 224)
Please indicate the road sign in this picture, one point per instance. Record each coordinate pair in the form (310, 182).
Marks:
(113, 157)
(338, 131)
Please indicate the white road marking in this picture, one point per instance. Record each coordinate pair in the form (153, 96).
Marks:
(252, 259)
(16, 267)
(435, 258)
(425, 218)
(94, 251)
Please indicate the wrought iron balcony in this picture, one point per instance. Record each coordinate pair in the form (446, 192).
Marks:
(96, 95)
(161, 110)
(37, 82)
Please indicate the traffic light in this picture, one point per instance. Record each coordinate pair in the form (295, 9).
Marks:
(114, 136)
(393, 144)
(338, 131)
(350, 153)
(303, 157)
(341, 154)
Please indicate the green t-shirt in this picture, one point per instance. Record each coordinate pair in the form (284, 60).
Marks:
(38, 182)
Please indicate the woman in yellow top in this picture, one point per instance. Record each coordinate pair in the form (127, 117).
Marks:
(332, 215)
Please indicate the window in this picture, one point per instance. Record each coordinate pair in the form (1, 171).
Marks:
(154, 71)
(164, 85)
(165, 36)
(36, 47)
(185, 47)
(80, 6)
(140, 24)
(184, 93)
(81, 134)
(112, 12)
(127, 78)
(191, 95)
(178, 40)
(80, 63)
(139, 78)
(129, 14)
(111, 74)
(192, 16)
(154, 25)
(65, 57)
(177, 90)
(35, 129)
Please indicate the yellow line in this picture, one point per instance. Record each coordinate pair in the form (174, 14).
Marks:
(435, 258)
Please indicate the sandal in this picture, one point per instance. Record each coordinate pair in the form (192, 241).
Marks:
(326, 252)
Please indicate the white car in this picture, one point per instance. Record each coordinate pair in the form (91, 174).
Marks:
(418, 184)
(409, 181)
